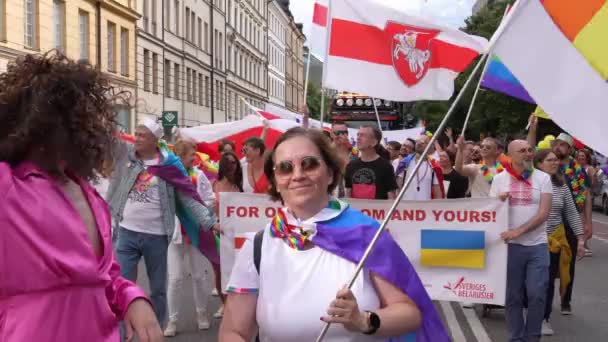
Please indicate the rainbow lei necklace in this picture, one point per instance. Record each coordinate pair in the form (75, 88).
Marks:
(575, 175)
(487, 174)
(295, 238)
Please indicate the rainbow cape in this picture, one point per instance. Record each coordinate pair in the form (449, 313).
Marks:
(349, 234)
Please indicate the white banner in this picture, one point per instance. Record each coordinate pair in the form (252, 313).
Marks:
(454, 245)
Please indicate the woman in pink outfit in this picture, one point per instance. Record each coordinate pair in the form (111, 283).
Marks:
(59, 280)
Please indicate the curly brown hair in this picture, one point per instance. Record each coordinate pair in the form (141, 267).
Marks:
(58, 114)
(328, 152)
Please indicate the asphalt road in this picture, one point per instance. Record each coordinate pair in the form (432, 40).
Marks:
(588, 323)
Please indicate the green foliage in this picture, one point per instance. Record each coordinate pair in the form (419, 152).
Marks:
(494, 114)
(313, 99)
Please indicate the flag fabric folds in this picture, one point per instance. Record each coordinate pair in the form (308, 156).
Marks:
(380, 52)
(557, 50)
(318, 39)
(452, 248)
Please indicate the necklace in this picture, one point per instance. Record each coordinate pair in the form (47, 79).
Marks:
(487, 174)
(418, 179)
(576, 177)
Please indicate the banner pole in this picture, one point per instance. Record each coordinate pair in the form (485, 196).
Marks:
(485, 68)
(307, 76)
(404, 189)
(322, 106)
(377, 115)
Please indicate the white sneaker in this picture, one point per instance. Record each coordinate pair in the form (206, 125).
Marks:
(214, 293)
(171, 329)
(219, 313)
(203, 321)
(467, 305)
(547, 330)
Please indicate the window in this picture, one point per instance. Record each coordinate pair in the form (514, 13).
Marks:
(31, 24)
(200, 89)
(83, 27)
(2, 19)
(207, 91)
(177, 17)
(153, 16)
(215, 48)
(221, 52)
(146, 17)
(155, 73)
(146, 70)
(176, 82)
(123, 118)
(217, 94)
(168, 15)
(167, 78)
(206, 37)
(188, 85)
(187, 24)
(124, 52)
(58, 24)
(193, 27)
(229, 58)
(194, 93)
(221, 95)
(200, 33)
(111, 47)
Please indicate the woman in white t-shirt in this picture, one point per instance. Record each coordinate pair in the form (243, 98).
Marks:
(308, 253)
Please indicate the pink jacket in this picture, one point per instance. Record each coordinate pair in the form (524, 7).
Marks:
(52, 286)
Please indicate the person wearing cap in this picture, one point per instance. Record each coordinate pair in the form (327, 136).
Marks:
(146, 187)
(578, 182)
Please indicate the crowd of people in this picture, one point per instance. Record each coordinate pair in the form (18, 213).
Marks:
(77, 252)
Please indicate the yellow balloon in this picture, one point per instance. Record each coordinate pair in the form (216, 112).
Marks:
(543, 145)
(549, 137)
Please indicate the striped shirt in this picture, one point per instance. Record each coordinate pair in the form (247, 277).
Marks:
(562, 205)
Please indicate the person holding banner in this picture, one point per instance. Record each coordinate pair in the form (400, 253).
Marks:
(529, 192)
(291, 279)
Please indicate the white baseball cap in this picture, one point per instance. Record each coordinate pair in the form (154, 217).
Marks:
(153, 126)
(566, 138)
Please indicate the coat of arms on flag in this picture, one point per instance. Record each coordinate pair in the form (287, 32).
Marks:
(411, 48)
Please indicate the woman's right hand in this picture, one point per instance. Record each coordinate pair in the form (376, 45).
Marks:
(504, 196)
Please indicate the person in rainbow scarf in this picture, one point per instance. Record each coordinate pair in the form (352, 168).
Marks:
(480, 175)
(529, 192)
(149, 187)
(310, 250)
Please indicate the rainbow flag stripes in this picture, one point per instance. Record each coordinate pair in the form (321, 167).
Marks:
(452, 248)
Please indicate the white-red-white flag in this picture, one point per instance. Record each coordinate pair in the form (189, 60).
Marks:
(381, 52)
(318, 39)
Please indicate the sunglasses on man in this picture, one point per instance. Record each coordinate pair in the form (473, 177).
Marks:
(338, 133)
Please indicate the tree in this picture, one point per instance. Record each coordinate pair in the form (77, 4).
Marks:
(313, 99)
(494, 114)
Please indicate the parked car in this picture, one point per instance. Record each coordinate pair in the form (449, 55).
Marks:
(600, 192)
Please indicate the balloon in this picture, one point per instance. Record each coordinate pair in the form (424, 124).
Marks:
(543, 145)
(549, 137)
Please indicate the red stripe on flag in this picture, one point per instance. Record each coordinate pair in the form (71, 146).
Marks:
(320, 15)
(374, 45)
(269, 116)
(239, 242)
(211, 148)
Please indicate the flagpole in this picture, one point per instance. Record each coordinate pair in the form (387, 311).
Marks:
(322, 106)
(404, 189)
(377, 115)
(307, 76)
(485, 68)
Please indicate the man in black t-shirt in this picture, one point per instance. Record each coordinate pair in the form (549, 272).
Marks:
(370, 176)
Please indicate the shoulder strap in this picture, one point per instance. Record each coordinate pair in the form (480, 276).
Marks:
(257, 249)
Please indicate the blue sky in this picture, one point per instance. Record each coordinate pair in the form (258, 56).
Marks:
(449, 12)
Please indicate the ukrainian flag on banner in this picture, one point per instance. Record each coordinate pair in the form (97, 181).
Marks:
(452, 248)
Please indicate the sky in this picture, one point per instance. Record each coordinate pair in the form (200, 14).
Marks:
(448, 12)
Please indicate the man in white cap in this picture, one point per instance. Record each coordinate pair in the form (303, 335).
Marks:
(143, 201)
(574, 174)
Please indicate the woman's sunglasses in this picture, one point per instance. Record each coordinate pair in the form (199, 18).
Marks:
(308, 164)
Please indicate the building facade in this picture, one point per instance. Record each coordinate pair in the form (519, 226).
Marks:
(247, 73)
(294, 60)
(278, 24)
(101, 32)
(181, 64)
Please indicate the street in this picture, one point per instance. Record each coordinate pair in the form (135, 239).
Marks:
(589, 304)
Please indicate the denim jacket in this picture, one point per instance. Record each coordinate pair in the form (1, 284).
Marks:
(126, 170)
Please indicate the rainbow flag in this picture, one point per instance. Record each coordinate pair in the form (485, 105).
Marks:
(558, 51)
(500, 79)
(452, 248)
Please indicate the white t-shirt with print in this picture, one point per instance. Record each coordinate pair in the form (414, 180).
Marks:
(524, 203)
(295, 289)
(143, 212)
(422, 182)
(478, 184)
